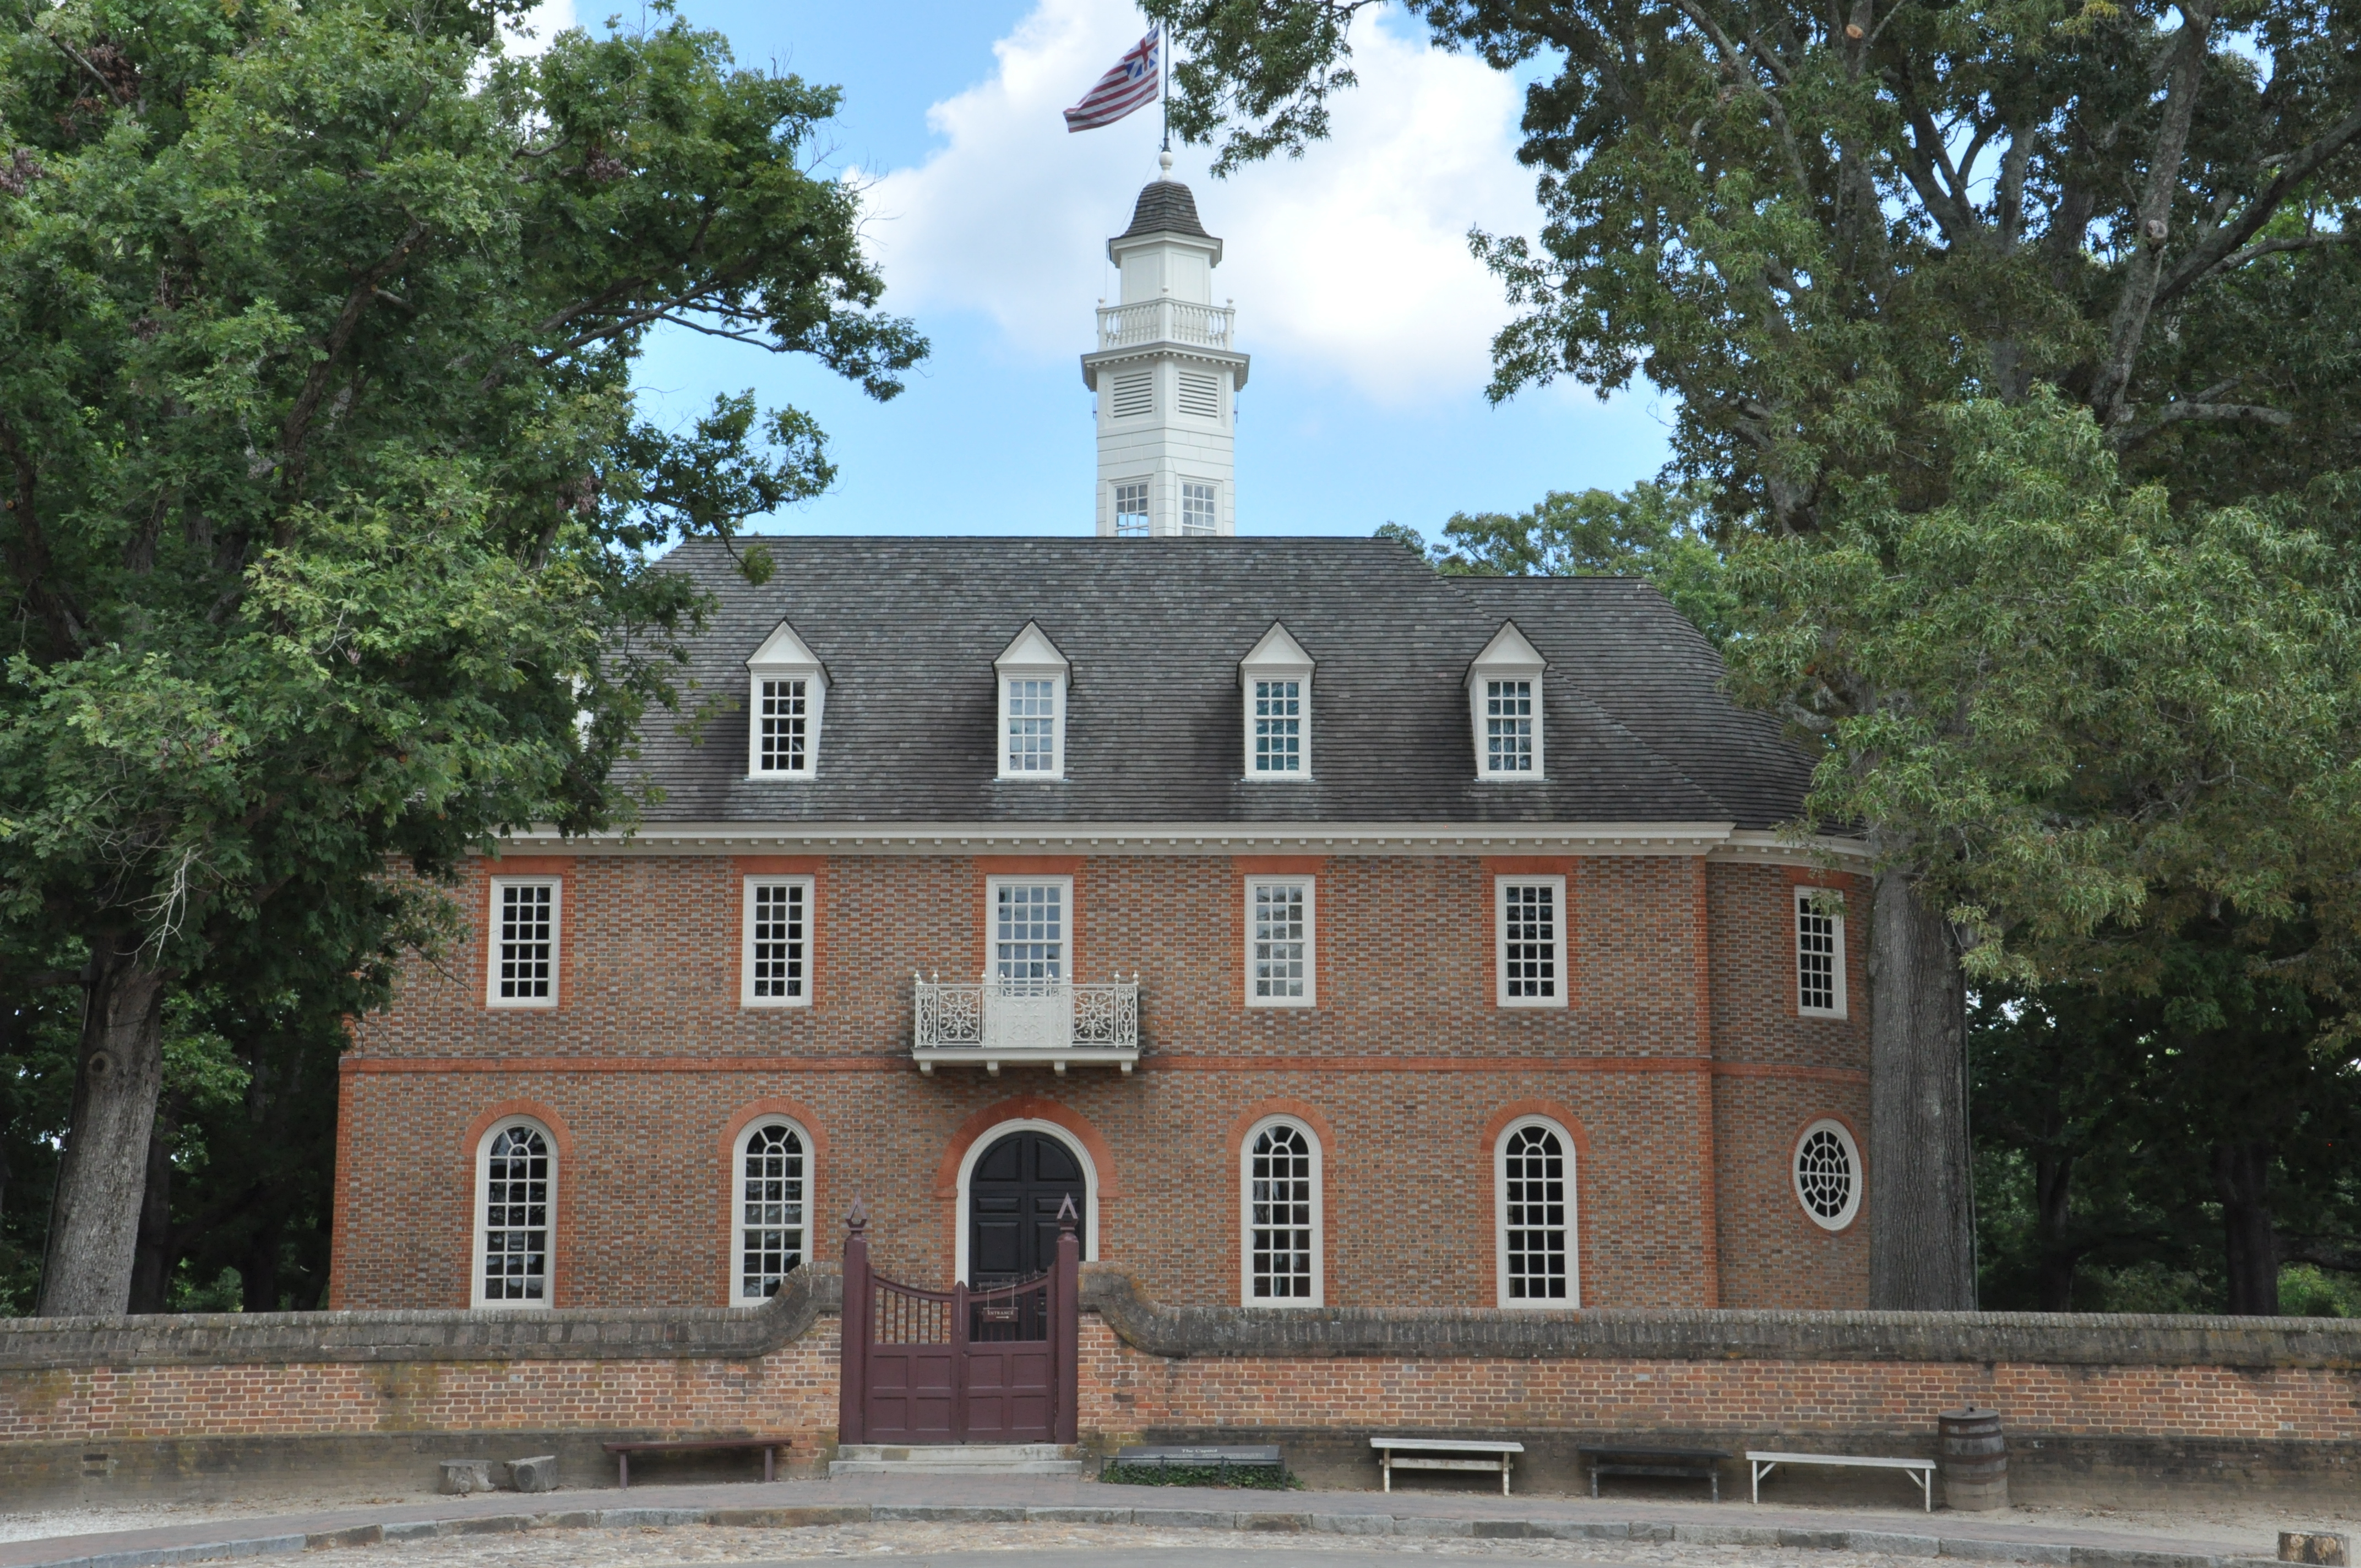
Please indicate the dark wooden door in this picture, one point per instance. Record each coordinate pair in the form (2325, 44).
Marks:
(1014, 1195)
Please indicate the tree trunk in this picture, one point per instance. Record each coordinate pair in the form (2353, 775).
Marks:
(2242, 1180)
(2053, 1178)
(103, 1175)
(151, 1269)
(1921, 1210)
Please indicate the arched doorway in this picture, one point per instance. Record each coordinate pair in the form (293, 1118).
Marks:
(1014, 1191)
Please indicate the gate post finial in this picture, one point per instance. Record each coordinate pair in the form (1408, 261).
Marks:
(1067, 1218)
(858, 1220)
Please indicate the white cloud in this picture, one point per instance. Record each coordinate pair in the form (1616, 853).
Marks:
(1351, 261)
(530, 34)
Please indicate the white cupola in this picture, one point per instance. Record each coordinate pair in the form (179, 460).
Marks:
(1167, 373)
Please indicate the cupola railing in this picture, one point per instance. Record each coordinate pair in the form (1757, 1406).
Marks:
(1167, 320)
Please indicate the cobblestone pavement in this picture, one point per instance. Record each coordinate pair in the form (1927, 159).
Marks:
(1066, 1546)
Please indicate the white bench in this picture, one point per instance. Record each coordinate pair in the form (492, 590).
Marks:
(1424, 1454)
(1921, 1470)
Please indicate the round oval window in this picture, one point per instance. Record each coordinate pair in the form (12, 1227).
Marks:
(1828, 1175)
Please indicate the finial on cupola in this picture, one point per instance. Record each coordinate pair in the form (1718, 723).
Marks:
(1164, 161)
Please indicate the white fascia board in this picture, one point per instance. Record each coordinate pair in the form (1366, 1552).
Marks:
(1719, 840)
(784, 653)
(1275, 656)
(1030, 652)
(1165, 350)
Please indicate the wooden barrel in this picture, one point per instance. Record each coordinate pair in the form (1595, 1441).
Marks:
(1974, 1459)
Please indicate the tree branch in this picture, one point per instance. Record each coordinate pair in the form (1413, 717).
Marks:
(297, 429)
(28, 551)
(2173, 413)
(2216, 250)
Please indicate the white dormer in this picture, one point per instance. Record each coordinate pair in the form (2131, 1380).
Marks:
(785, 691)
(1504, 703)
(1274, 679)
(1031, 675)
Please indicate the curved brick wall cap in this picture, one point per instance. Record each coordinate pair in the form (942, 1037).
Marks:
(1681, 1334)
(563, 1333)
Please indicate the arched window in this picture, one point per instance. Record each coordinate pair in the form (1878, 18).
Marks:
(1534, 1196)
(516, 1196)
(1827, 1174)
(1282, 1188)
(767, 1209)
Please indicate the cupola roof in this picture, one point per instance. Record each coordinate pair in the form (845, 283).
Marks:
(1165, 206)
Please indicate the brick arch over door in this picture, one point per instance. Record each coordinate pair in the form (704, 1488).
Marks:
(562, 1292)
(1488, 1151)
(816, 1231)
(1105, 1182)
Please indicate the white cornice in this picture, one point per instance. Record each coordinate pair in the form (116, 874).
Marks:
(1719, 840)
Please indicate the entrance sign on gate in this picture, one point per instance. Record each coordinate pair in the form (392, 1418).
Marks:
(999, 1364)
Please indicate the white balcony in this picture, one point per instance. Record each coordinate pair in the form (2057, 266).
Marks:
(1167, 320)
(1029, 1023)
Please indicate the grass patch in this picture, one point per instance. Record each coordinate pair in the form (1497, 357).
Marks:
(1255, 1477)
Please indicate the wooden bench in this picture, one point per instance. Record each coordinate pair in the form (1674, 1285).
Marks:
(1246, 1456)
(623, 1451)
(1424, 1452)
(1921, 1470)
(1681, 1463)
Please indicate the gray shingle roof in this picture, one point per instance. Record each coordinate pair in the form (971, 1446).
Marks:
(1166, 206)
(1636, 727)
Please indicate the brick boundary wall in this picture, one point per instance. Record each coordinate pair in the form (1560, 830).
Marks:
(93, 1408)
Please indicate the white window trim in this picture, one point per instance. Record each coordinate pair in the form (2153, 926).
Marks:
(967, 1171)
(1310, 997)
(1180, 507)
(746, 997)
(1115, 500)
(1804, 895)
(1319, 1296)
(1276, 656)
(492, 997)
(737, 1196)
(1031, 656)
(991, 886)
(476, 1300)
(1500, 885)
(785, 656)
(1852, 1209)
(1573, 1298)
(1508, 657)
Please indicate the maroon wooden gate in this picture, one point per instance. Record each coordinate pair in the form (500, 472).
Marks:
(958, 1366)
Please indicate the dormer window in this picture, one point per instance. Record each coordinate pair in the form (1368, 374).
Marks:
(1274, 679)
(1032, 677)
(1504, 700)
(782, 710)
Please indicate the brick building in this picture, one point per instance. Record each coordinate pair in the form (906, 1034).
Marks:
(1331, 932)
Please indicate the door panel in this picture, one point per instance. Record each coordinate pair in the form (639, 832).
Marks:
(1013, 1194)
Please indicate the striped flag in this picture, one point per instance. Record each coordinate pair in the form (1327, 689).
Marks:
(1131, 83)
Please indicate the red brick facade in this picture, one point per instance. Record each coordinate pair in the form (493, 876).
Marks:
(1680, 1068)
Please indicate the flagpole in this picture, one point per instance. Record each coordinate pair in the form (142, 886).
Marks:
(1164, 84)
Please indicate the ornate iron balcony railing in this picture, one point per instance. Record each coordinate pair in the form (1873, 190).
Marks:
(996, 1020)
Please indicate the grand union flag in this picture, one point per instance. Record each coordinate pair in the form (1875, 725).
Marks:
(1131, 83)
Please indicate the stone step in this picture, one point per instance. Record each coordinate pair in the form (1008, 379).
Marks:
(930, 1467)
(956, 1459)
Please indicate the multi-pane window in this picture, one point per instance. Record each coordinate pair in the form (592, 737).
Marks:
(778, 933)
(770, 1203)
(1282, 1240)
(524, 943)
(1279, 943)
(1820, 953)
(516, 1180)
(1507, 727)
(1196, 507)
(1536, 1188)
(1532, 942)
(1828, 1175)
(1131, 509)
(1028, 930)
(1032, 727)
(783, 722)
(1279, 727)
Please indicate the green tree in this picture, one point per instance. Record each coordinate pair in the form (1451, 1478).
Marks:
(1817, 229)
(321, 495)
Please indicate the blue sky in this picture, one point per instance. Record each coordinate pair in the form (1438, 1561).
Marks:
(1367, 322)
